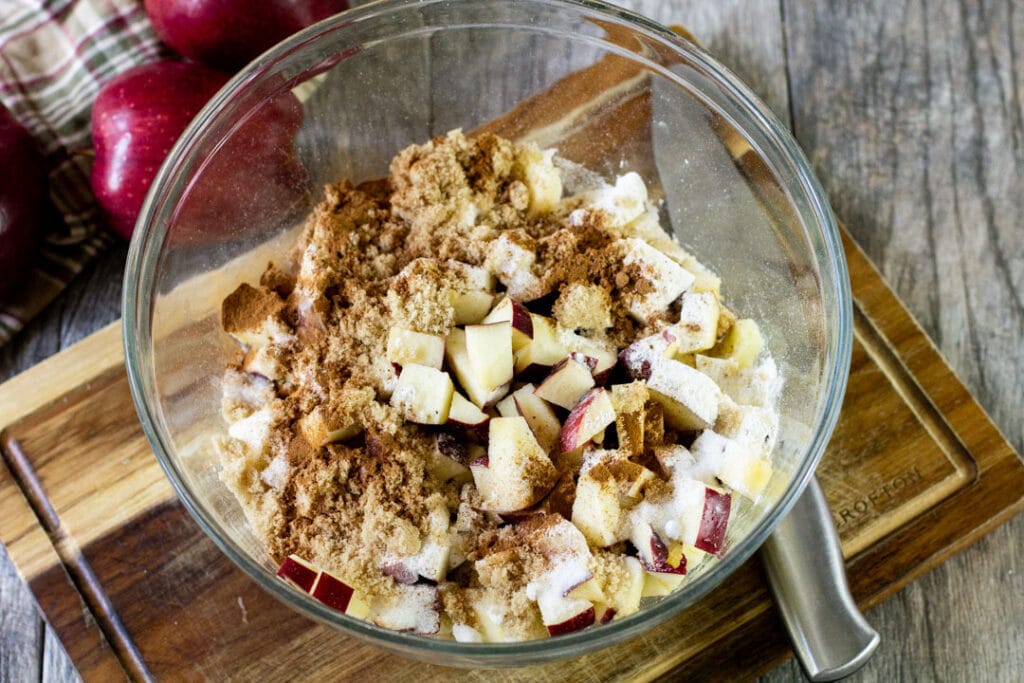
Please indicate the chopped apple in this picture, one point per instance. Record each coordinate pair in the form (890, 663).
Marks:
(490, 615)
(538, 414)
(562, 496)
(464, 413)
(410, 347)
(447, 462)
(266, 361)
(507, 310)
(630, 402)
(560, 611)
(704, 517)
(752, 426)
(596, 510)
(630, 583)
(697, 329)
(689, 397)
(632, 479)
(252, 330)
(511, 258)
(424, 395)
(653, 553)
(412, 609)
(757, 385)
(518, 472)
(298, 572)
(565, 385)
(640, 357)
(323, 426)
(332, 591)
(659, 584)
(458, 361)
(591, 415)
(667, 279)
(546, 347)
(738, 466)
(541, 177)
(654, 425)
(471, 307)
(507, 407)
(489, 347)
(742, 343)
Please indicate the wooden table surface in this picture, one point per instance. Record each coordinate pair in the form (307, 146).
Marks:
(913, 117)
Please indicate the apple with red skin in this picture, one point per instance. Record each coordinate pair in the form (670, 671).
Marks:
(298, 572)
(227, 34)
(139, 115)
(714, 521)
(22, 191)
(576, 623)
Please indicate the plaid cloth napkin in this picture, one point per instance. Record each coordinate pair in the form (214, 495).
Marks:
(54, 56)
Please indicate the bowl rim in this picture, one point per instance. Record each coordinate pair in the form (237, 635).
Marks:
(137, 309)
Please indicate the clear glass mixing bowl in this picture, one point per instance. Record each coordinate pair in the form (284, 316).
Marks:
(340, 98)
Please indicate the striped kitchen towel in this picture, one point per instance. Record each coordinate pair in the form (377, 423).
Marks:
(54, 56)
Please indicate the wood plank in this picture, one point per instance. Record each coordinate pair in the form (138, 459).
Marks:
(911, 114)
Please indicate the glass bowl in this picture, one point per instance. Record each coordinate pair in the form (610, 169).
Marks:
(340, 98)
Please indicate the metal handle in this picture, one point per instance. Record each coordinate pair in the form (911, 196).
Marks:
(805, 570)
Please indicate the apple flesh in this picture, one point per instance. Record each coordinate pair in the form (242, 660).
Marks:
(457, 355)
(653, 553)
(228, 34)
(689, 397)
(472, 307)
(408, 346)
(545, 348)
(463, 412)
(591, 415)
(567, 382)
(423, 395)
(507, 310)
(517, 472)
(22, 190)
(539, 415)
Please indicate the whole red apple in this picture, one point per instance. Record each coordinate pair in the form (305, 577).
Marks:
(22, 192)
(136, 119)
(227, 34)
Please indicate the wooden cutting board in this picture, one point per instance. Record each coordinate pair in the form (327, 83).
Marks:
(914, 473)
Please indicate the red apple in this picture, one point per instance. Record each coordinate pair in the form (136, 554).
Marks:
(22, 190)
(653, 553)
(332, 591)
(577, 622)
(228, 34)
(251, 178)
(591, 415)
(714, 520)
(136, 119)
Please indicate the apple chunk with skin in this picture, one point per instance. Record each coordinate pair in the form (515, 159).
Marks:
(705, 515)
(596, 510)
(471, 307)
(565, 385)
(545, 348)
(697, 329)
(542, 419)
(457, 355)
(408, 346)
(507, 310)
(489, 347)
(689, 397)
(463, 412)
(298, 572)
(518, 472)
(424, 395)
(653, 553)
(591, 415)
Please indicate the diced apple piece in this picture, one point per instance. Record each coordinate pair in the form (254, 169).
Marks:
(458, 361)
(490, 615)
(630, 402)
(507, 407)
(652, 551)
(621, 203)
(566, 384)
(546, 347)
(591, 415)
(742, 343)
(752, 426)
(697, 329)
(583, 306)
(596, 510)
(424, 395)
(413, 609)
(667, 279)
(589, 590)
(632, 479)
(253, 316)
(471, 307)
(690, 398)
(489, 348)
(538, 414)
(640, 357)
(757, 385)
(448, 460)
(738, 466)
(322, 426)
(410, 347)
(518, 472)
(704, 515)
(659, 584)
(332, 591)
(298, 572)
(560, 611)
(542, 179)
(511, 258)
(464, 413)
(507, 310)
(626, 600)
(266, 361)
